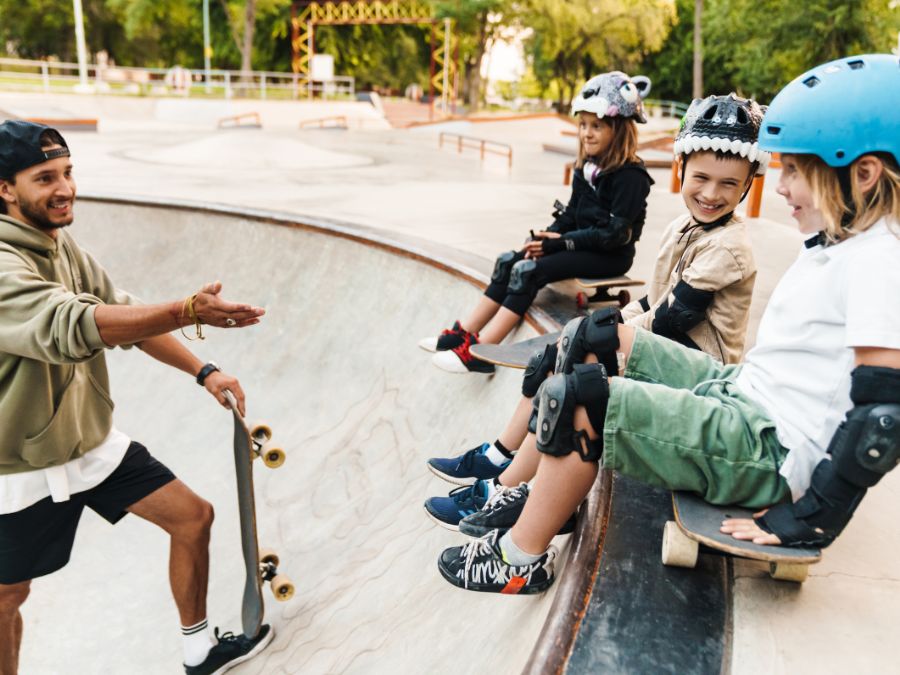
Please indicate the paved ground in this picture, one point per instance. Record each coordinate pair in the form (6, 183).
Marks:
(401, 182)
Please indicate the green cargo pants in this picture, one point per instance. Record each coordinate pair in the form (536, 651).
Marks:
(677, 420)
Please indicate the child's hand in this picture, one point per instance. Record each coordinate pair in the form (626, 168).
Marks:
(534, 247)
(747, 529)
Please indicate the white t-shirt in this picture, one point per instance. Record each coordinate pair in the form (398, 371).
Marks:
(18, 491)
(830, 300)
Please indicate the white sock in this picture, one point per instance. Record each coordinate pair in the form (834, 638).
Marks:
(197, 643)
(497, 458)
(513, 555)
(493, 486)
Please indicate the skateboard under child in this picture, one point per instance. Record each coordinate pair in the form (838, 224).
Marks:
(602, 289)
(261, 564)
(697, 523)
(515, 355)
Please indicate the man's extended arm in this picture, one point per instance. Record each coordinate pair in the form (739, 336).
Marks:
(129, 324)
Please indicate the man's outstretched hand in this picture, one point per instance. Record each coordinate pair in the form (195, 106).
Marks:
(213, 310)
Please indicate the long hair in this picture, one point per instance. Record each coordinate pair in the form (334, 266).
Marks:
(882, 200)
(623, 148)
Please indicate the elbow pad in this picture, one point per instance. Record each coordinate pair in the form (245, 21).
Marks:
(687, 310)
(619, 230)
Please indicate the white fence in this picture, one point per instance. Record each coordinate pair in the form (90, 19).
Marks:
(59, 76)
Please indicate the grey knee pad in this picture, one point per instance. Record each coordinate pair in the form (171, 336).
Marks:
(502, 267)
(596, 334)
(556, 400)
(540, 365)
(521, 279)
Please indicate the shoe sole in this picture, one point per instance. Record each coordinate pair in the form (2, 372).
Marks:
(448, 526)
(262, 644)
(483, 588)
(450, 479)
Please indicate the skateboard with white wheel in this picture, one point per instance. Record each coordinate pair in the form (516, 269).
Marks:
(602, 289)
(697, 524)
(261, 565)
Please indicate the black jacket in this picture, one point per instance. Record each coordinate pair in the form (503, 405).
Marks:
(608, 215)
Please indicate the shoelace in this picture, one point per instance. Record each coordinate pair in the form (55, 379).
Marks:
(505, 495)
(462, 351)
(461, 493)
(468, 459)
(492, 569)
(224, 637)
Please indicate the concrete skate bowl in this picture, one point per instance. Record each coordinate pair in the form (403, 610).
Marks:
(334, 369)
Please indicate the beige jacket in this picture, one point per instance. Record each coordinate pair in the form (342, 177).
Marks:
(54, 387)
(718, 260)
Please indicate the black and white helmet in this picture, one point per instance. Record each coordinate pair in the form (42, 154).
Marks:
(725, 124)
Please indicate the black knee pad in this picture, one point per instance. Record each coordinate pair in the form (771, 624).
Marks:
(596, 334)
(502, 267)
(556, 400)
(540, 365)
(521, 279)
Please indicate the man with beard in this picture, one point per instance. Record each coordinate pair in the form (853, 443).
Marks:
(60, 451)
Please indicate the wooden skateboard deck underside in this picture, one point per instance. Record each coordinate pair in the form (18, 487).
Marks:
(613, 282)
(700, 521)
(252, 606)
(515, 355)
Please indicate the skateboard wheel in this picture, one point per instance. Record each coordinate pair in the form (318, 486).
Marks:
(261, 432)
(624, 297)
(267, 556)
(282, 588)
(581, 300)
(272, 455)
(796, 572)
(678, 550)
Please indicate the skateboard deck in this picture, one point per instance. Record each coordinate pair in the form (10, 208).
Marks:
(601, 291)
(515, 355)
(261, 564)
(697, 522)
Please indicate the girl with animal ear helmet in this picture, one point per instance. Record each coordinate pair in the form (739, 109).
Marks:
(594, 235)
(810, 421)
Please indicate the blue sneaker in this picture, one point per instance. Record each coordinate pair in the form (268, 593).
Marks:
(461, 502)
(467, 468)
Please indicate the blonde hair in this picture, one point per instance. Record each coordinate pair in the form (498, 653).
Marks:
(867, 209)
(621, 151)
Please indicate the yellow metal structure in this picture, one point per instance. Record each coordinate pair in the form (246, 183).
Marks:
(306, 15)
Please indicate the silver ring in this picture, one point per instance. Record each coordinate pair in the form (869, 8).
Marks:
(230, 322)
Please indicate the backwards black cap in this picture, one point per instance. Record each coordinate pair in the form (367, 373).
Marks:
(20, 146)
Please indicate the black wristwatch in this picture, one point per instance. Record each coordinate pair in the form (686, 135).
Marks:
(210, 367)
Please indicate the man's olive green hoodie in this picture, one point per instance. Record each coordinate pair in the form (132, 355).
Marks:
(54, 387)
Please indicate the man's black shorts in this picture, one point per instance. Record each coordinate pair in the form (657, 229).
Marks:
(38, 540)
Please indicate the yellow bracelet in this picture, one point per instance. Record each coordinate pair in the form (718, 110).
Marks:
(188, 309)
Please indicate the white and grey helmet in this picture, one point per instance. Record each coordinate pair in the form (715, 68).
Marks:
(725, 124)
(614, 95)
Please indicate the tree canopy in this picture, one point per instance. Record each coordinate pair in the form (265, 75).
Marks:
(750, 46)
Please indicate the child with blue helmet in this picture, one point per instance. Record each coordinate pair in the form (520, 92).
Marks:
(594, 235)
(811, 419)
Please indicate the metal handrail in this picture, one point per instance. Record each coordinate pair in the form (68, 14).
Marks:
(482, 144)
(62, 76)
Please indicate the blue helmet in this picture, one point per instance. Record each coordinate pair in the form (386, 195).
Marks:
(838, 111)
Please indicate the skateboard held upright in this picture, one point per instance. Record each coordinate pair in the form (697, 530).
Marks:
(261, 564)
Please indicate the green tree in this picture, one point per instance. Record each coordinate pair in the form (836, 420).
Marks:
(575, 39)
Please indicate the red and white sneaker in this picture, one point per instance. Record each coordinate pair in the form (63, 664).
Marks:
(447, 340)
(460, 360)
